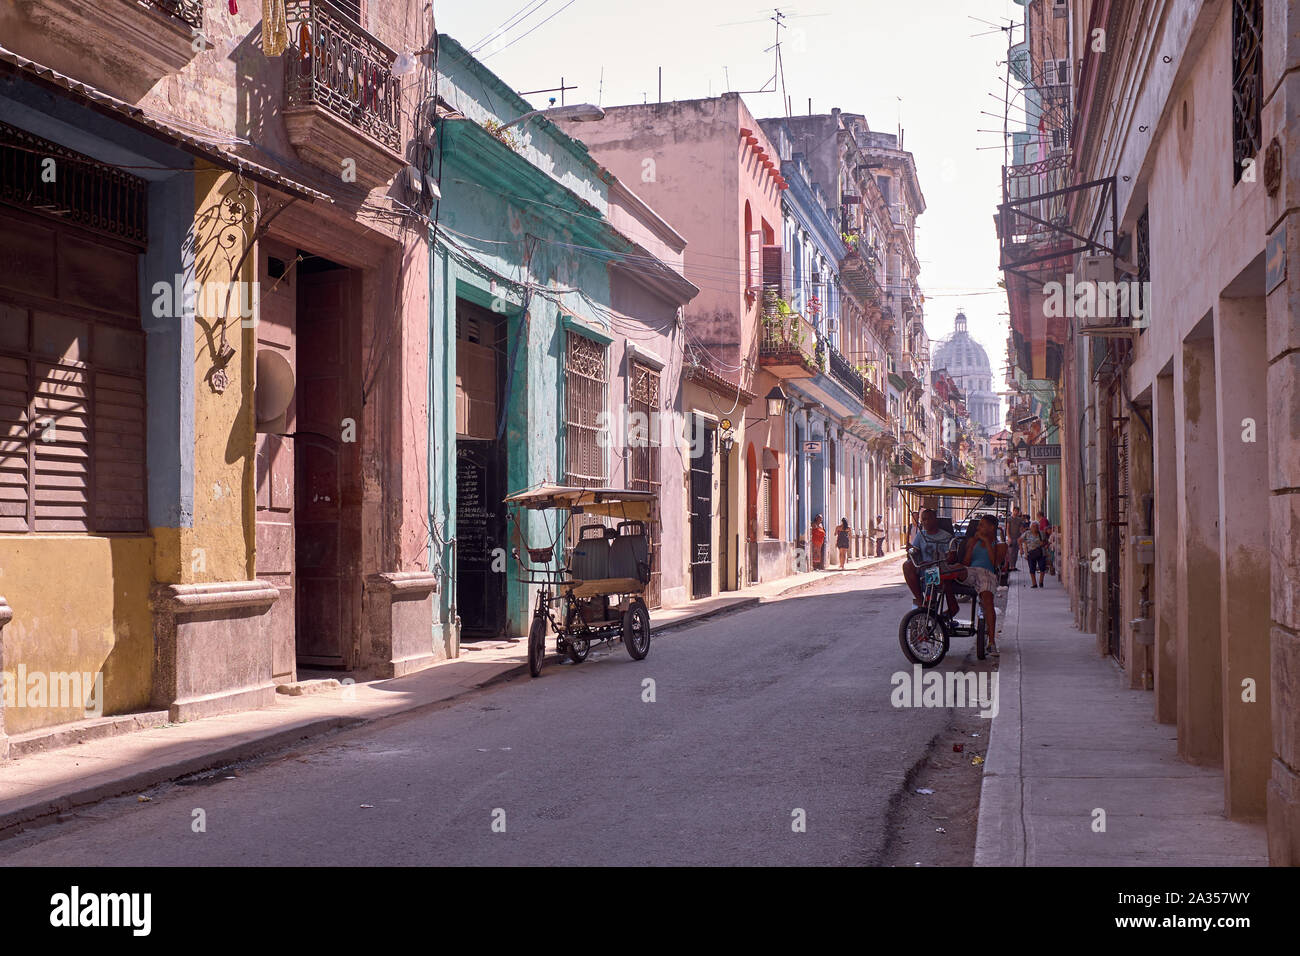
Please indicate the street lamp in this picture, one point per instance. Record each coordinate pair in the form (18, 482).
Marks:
(577, 113)
(777, 402)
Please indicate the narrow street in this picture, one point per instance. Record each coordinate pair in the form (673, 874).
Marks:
(782, 707)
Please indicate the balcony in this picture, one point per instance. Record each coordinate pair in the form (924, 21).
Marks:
(874, 399)
(123, 47)
(845, 373)
(342, 101)
(788, 346)
(858, 272)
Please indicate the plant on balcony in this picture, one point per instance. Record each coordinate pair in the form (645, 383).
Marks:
(821, 356)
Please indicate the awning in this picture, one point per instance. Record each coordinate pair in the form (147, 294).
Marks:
(945, 487)
(627, 503)
(102, 102)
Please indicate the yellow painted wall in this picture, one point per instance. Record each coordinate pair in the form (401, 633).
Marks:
(219, 546)
(80, 603)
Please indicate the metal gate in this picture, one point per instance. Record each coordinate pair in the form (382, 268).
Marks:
(702, 515)
(644, 460)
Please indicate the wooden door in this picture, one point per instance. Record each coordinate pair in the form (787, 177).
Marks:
(326, 516)
(275, 459)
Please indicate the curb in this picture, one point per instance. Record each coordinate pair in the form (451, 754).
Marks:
(144, 779)
(1000, 838)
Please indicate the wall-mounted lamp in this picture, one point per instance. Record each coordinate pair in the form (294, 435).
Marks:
(777, 403)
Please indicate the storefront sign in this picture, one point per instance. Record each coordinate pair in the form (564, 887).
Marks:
(1044, 453)
(812, 448)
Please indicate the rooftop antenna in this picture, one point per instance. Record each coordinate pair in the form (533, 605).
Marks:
(600, 93)
(554, 89)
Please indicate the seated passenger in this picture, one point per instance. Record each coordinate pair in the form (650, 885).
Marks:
(930, 543)
(984, 557)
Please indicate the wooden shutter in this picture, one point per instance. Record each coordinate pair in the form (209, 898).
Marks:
(119, 453)
(60, 441)
(774, 275)
(753, 261)
(14, 465)
(765, 503)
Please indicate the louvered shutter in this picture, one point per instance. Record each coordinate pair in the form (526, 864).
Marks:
(14, 463)
(774, 276)
(119, 453)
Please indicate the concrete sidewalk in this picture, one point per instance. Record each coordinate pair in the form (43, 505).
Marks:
(74, 766)
(1071, 739)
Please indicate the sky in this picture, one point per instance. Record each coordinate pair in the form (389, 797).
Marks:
(921, 63)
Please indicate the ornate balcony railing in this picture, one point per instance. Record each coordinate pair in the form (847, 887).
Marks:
(843, 372)
(874, 399)
(788, 339)
(187, 11)
(333, 64)
(858, 272)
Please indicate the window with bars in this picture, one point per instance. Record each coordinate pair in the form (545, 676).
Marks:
(1247, 82)
(72, 424)
(643, 463)
(586, 380)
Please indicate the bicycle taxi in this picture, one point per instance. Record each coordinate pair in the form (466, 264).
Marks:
(925, 631)
(600, 579)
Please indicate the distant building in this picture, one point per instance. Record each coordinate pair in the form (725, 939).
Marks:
(968, 364)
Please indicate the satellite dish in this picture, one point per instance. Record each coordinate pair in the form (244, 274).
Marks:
(275, 383)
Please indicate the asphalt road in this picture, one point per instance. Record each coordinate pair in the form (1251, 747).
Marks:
(756, 715)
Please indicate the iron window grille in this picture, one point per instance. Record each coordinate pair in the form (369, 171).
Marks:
(586, 381)
(82, 191)
(1247, 82)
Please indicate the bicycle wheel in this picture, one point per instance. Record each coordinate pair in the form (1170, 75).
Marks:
(536, 645)
(636, 630)
(923, 637)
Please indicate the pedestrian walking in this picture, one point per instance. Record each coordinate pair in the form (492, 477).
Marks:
(1033, 543)
(878, 535)
(818, 536)
(1015, 528)
(842, 541)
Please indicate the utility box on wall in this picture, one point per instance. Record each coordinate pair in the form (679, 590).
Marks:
(1144, 549)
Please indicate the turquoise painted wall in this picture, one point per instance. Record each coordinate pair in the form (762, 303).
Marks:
(503, 225)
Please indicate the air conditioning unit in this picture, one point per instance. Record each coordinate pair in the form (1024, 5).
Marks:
(1106, 311)
(1095, 268)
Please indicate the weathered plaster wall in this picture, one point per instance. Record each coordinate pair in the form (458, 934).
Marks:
(80, 604)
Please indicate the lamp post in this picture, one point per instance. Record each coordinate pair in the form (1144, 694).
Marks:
(577, 113)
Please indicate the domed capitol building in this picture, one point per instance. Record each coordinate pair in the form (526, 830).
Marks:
(968, 364)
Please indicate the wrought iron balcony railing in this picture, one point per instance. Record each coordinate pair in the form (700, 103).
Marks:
(333, 64)
(187, 11)
(874, 399)
(788, 338)
(843, 372)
